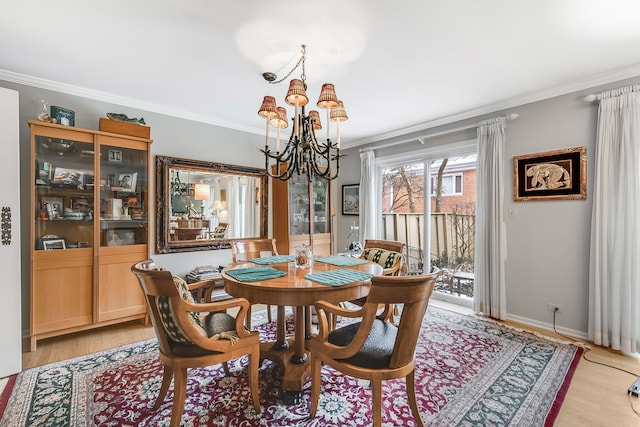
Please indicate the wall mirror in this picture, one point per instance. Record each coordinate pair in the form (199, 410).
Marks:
(203, 205)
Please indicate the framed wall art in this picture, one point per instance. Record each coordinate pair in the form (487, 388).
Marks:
(551, 175)
(350, 199)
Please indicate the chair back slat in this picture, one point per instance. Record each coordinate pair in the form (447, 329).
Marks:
(243, 250)
(389, 245)
(155, 283)
(412, 293)
(386, 245)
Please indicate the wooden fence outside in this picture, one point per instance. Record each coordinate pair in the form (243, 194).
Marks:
(452, 237)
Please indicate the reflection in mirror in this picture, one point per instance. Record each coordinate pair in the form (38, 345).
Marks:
(202, 205)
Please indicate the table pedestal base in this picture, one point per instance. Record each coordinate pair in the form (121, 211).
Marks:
(294, 374)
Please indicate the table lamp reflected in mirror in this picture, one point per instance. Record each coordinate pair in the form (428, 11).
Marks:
(202, 192)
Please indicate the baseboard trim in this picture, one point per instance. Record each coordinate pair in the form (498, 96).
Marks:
(547, 326)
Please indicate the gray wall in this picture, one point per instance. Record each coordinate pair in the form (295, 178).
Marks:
(171, 137)
(547, 241)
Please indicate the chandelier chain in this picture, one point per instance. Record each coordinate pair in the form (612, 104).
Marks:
(303, 76)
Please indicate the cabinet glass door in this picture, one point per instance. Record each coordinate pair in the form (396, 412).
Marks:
(320, 205)
(64, 176)
(123, 196)
(299, 208)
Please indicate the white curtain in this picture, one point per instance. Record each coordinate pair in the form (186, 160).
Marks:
(491, 235)
(614, 272)
(233, 202)
(367, 205)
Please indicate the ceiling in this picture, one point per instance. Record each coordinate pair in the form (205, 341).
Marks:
(398, 66)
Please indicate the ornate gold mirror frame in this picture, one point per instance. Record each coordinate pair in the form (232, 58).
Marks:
(203, 205)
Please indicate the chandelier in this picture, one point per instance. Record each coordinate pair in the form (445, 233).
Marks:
(303, 154)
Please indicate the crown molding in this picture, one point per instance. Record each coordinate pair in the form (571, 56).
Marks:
(68, 89)
(575, 86)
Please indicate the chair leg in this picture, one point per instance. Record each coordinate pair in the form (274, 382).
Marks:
(167, 376)
(225, 368)
(376, 401)
(411, 397)
(179, 395)
(254, 365)
(269, 319)
(316, 379)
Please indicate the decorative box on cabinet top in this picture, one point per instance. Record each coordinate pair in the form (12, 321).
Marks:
(124, 128)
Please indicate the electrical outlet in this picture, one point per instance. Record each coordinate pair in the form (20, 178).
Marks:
(553, 307)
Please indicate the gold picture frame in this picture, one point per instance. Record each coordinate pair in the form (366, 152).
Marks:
(551, 175)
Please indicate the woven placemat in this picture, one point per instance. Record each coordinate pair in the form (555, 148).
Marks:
(341, 260)
(338, 277)
(272, 259)
(255, 274)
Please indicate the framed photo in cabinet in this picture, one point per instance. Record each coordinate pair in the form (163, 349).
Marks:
(54, 206)
(121, 237)
(68, 177)
(127, 181)
(53, 243)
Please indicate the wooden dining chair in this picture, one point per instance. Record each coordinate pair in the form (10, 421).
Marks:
(194, 335)
(374, 348)
(244, 250)
(387, 253)
(220, 231)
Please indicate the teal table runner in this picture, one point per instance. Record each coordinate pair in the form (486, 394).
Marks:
(341, 260)
(273, 259)
(255, 274)
(339, 277)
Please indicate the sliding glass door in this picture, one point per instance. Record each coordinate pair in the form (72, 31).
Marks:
(428, 203)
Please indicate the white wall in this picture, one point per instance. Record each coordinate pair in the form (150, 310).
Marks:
(10, 332)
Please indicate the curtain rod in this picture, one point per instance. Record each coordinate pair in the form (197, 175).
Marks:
(611, 92)
(421, 139)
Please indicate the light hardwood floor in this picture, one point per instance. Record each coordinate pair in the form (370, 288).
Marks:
(597, 395)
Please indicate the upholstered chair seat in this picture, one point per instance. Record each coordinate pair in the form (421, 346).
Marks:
(377, 349)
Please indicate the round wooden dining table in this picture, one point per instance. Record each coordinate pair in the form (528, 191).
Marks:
(294, 290)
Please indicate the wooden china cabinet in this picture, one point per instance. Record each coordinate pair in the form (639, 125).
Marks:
(89, 205)
(302, 214)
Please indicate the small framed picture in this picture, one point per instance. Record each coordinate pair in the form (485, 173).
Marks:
(127, 181)
(81, 204)
(350, 199)
(83, 244)
(121, 237)
(54, 206)
(68, 177)
(115, 156)
(53, 243)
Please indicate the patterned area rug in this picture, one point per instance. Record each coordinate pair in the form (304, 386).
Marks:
(470, 372)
